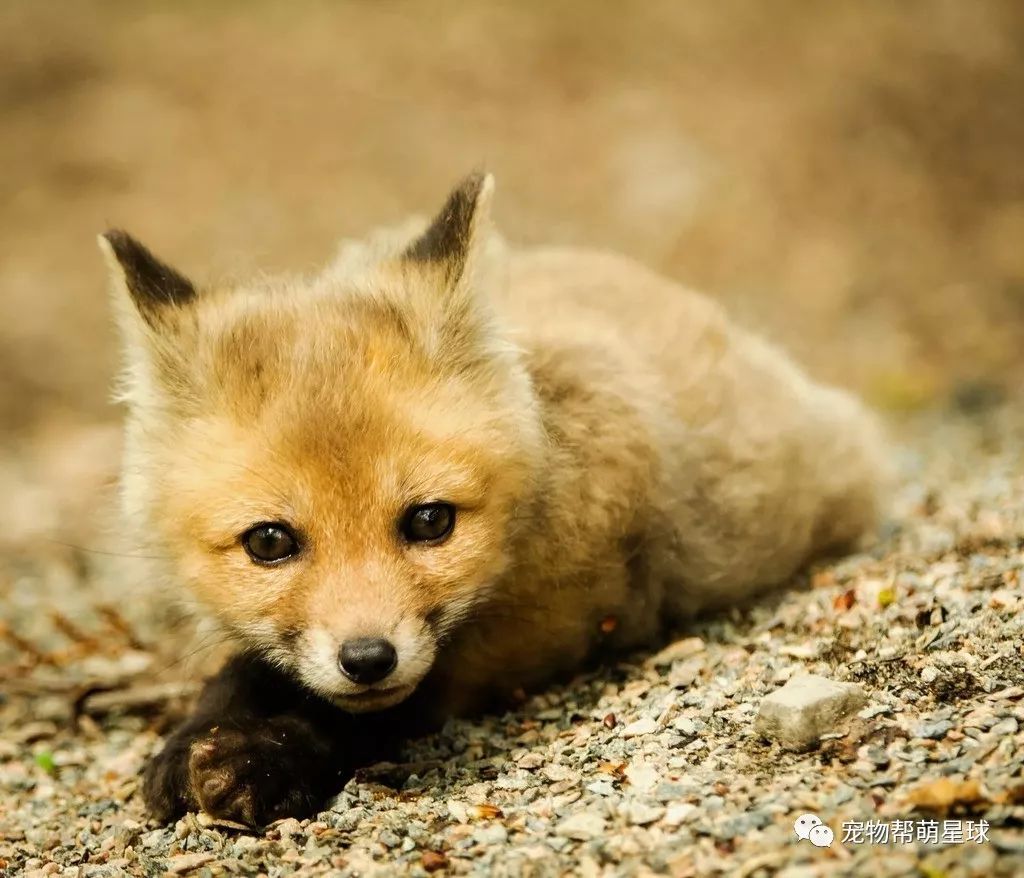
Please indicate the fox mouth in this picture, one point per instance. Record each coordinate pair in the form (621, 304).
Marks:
(373, 699)
(370, 694)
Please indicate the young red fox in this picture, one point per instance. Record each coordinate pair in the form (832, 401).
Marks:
(424, 479)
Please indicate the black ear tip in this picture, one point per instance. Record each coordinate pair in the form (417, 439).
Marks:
(474, 183)
(448, 238)
(116, 236)
(151, 283)
(125, 247)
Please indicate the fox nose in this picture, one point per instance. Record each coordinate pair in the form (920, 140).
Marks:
(367, 659)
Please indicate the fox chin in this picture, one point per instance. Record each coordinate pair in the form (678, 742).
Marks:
(424, 479)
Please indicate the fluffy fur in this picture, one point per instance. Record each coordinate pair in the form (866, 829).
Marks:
(614, 446)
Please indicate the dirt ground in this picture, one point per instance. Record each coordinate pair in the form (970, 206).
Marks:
(845, 177)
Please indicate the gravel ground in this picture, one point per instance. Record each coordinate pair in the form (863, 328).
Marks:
(652, 766)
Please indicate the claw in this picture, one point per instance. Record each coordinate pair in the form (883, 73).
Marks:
(202, 752)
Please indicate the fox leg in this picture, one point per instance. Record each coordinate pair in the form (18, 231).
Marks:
(259, 747)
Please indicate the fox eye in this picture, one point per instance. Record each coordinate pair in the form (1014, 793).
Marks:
(428, 523)
(270, 543)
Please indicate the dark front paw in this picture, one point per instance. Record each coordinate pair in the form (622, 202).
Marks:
(257, 776)
(165, 782)
(279, 767)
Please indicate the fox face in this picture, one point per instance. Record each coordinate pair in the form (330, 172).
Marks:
(337, 468)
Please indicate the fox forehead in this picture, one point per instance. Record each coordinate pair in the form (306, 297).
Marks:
(245, 347)
(303, 462)
(325, 408)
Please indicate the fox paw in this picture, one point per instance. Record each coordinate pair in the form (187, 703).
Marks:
(276, 769)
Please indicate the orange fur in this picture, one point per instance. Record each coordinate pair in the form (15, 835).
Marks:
(613, 444)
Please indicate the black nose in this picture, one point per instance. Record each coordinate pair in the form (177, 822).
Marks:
(367, 659)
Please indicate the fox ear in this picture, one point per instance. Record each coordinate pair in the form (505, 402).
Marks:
(455, 234)
(151, 285)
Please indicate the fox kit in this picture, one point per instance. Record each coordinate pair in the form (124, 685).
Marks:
(444, 470)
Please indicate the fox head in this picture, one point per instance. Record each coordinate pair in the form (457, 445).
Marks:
(334, 466)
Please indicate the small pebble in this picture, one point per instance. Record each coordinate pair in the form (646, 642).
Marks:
(644, 726)
(640, 814)
(582, 826)
(807, 707)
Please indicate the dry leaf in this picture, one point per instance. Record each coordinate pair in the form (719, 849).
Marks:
(1012, 796)
(945, 793)
(432, 861)
(615, 769)
(844, 601)
(485, 812)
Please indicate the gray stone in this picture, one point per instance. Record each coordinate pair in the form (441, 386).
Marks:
(640, 814)
(1006, 726)
(686, 726)
(389, 839)
(936, 730)
(670, 791)
(679, 813)
(493, 834)
(645, 726)
(807, 707)
(581, 827)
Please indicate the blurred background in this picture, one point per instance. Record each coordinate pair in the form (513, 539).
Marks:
(846, 177)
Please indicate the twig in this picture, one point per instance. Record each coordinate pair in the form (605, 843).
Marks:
(119, 624)
(22, 645)
(101, 700)
(73, 633)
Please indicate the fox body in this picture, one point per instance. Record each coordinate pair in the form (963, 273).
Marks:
(444, 470)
